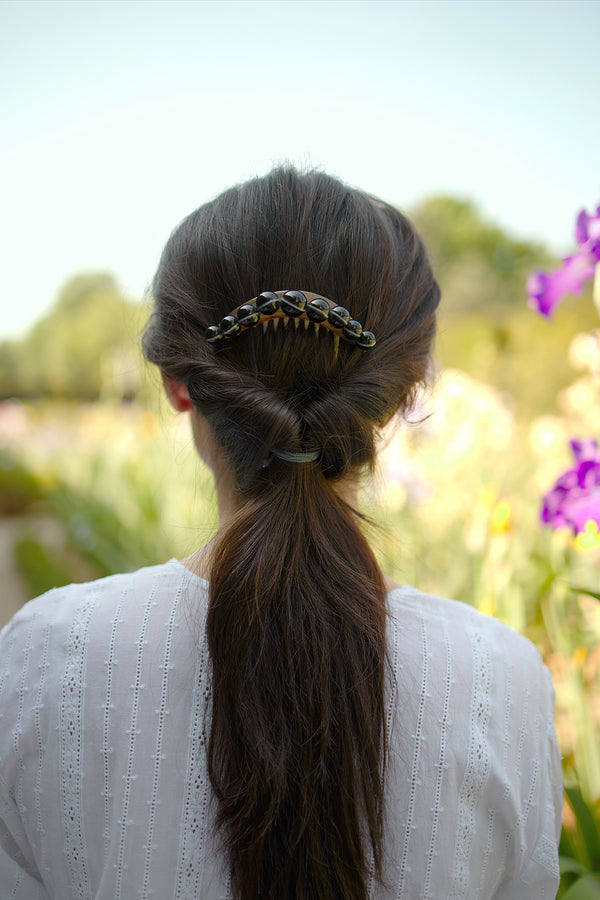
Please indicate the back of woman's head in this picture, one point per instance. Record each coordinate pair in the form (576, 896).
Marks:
(296, 623)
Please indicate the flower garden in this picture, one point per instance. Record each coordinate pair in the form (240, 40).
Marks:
(474, 503)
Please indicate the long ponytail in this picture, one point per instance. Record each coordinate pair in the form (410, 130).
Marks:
(297, 617)
(297, 734)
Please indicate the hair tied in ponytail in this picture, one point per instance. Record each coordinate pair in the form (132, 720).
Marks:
(286, 455)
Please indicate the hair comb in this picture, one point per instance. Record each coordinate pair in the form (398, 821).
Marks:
(298, 305)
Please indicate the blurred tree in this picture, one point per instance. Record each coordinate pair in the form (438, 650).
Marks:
(485, 325)
(83, 341)
(477, 263)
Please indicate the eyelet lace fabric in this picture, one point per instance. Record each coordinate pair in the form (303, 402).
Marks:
(104, 716)
(70, 751)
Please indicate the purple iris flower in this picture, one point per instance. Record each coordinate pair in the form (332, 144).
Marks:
(575, 498)
(587, 233)
(546, 289)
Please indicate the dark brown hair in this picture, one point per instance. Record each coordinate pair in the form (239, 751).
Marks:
(296, 622)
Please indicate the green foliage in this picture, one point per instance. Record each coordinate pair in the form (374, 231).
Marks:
(39, 567)
(85, 347)
(99, 534)
(580, 850)
(119, 493)
(587, 591)
(585, 888)
(20, 489)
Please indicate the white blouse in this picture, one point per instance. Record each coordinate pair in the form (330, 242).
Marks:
(103, 786)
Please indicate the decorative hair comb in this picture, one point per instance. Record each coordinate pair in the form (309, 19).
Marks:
(298, 305)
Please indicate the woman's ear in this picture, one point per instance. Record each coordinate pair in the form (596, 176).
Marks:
(178, 395)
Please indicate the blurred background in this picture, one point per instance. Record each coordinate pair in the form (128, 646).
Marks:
(119, 118)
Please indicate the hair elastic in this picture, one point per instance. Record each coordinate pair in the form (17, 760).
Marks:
(309, 456)
(298, 305)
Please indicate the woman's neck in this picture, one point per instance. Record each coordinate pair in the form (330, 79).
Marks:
(228, 500)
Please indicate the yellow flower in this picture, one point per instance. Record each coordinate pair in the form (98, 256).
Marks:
(149, 425)
(487, 605)
(501, 517)
(590, 538)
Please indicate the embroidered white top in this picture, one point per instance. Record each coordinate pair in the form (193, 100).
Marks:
(103, 786)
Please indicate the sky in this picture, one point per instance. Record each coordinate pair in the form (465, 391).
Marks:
(120, 117)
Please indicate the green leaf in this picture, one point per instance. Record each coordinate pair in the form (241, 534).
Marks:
(568, 866)
(587, 825)
(580, 590)
(568, 846)
(586, 888)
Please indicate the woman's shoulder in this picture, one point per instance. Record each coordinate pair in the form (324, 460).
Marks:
(481, 665)
(78, 627)
(60, 609)
(454, 620)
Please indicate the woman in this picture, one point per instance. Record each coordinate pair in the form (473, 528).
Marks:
(274, 717)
